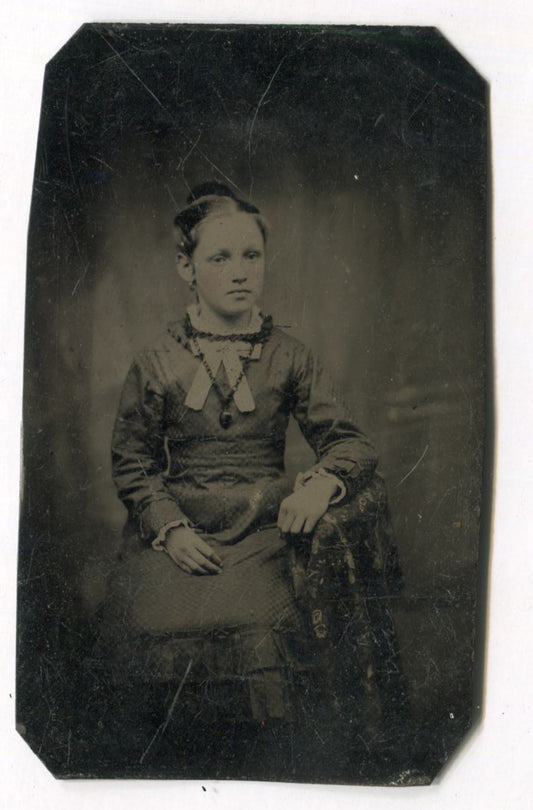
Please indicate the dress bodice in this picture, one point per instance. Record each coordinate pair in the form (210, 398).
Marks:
(172, 461)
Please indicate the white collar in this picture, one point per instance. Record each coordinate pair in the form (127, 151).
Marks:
(229, 353)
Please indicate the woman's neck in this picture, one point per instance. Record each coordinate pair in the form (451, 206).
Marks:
(209, 321)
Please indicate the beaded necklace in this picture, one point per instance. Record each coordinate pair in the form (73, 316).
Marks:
(253, 337)
(225, 418)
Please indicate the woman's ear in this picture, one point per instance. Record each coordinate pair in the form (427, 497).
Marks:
(185, 267)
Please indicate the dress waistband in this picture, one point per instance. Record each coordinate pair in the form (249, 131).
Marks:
(210, 452)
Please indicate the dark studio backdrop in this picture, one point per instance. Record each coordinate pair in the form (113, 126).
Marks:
(366, 150)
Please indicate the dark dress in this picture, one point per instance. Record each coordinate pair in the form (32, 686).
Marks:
(247, 630)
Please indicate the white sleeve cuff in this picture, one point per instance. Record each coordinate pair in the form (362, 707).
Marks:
(158, 544)
(303, 478)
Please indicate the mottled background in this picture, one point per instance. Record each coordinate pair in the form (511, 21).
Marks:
(367, 150)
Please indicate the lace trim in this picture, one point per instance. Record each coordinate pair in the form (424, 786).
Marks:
(253, 337)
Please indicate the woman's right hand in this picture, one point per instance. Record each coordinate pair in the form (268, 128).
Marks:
(192, 554)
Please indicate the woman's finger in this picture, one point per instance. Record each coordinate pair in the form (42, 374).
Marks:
(310, 523)
(285, 521)
(176, 558)
(202, 561)
(208, 566)
(196, 569)
(297, 524)
(205, 549)
(179, 561)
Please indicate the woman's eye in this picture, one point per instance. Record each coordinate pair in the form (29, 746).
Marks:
(252, 255)
(218, 259)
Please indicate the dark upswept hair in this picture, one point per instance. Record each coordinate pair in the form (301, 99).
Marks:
(204, 200)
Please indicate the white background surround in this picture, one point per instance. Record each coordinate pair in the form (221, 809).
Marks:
(492, 770)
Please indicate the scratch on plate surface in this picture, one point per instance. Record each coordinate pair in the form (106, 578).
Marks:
(261, 100)
(419, 106)
(162, 728)
(133, 73)
(162, 106)
(66, 133)
(426, 448)
(80, 279)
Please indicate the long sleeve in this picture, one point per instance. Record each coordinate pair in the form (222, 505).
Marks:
(138, 453)
(341, 447)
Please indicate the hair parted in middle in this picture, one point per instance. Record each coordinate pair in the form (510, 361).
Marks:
(211, 199)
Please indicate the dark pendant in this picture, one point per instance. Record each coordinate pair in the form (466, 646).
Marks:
(225, 419)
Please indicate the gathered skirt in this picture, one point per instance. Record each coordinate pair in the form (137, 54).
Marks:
(237, 632)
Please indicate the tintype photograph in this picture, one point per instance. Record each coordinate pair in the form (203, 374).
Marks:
(255, 405)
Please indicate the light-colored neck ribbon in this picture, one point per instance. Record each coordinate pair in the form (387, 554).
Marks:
(227, 353)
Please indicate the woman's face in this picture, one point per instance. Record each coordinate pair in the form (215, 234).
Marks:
(228, 264)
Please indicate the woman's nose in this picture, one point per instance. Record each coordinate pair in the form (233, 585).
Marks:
(240, 273)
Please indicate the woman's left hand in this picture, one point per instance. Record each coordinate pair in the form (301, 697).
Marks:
(300, 512)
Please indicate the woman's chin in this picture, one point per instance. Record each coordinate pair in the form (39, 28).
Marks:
(234, 311)
(237, 308)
